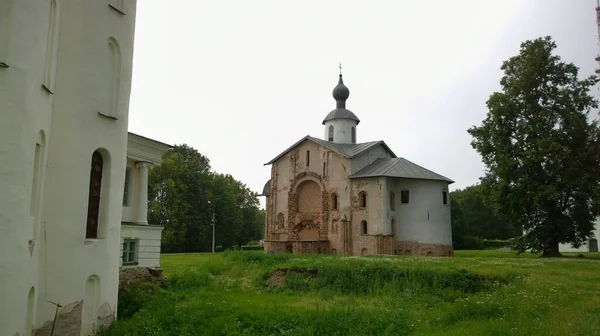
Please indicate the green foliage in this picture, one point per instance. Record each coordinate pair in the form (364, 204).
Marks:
(252, 248)
(541, 152)
(496, 244)
(382, 279)
(180, 191)
(475, 293)
(468, 243)
(472, 218)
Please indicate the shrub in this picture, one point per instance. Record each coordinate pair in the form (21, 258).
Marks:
(468, 243)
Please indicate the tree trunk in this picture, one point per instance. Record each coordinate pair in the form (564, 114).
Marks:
(551, 249)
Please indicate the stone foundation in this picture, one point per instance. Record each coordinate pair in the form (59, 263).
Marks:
(420, 249)
(298, 246)
(368, 245)
(133, 275)
(68, 320)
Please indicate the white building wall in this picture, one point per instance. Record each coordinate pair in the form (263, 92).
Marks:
(83, 74)
(425, 218)
(342, 130)
(584, 247)
(147, 239)
(87, 85)
(25, 112)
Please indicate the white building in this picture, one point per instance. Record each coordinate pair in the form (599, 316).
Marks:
(340, 196)
(65, 78)
(591, 246)
(140, 241)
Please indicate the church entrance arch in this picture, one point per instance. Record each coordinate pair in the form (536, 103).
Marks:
(309, 197)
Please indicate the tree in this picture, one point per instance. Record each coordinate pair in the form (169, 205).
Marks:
(179, 193)
(473, 217)
(542, 154)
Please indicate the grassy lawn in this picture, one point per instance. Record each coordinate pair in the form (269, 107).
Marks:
(474, 293)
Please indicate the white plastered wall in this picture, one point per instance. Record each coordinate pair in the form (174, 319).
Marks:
(148, 239)
(425, 218)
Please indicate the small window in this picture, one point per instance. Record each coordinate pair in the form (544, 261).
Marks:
(445, 197)
(363, 199)
(392, 201)
(404, 197)
(127, 187)
(308, 158)
(393, 226)
(353, 134)
(129, 251)
(280, 221)
(334, 201)
(363, 227)
(330, 136)
(324, 169)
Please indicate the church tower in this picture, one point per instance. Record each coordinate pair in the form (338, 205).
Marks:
(340, 124)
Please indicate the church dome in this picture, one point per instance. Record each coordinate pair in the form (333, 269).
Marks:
(340, 94)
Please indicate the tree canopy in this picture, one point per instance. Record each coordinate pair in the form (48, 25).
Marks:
(183, 193)
(540, 149)
(472, 217)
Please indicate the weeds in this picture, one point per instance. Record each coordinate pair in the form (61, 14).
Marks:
(227, 294)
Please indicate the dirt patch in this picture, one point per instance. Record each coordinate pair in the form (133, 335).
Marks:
(277, 278)
(132, 276)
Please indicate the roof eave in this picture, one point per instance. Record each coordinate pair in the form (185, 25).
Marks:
(412, 178)
(306, 137)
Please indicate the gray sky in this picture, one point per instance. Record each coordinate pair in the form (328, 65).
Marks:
(242, 80)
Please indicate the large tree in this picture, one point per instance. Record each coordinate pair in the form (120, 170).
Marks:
(541, 151)
(184, 193)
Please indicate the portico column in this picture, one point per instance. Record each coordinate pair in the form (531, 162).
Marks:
(142, 217)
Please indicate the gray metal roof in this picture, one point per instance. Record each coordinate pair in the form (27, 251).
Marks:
(398, 167)
(341, 113)
(266, 189)
(347, 150)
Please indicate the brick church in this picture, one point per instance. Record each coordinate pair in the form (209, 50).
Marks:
(337, 196)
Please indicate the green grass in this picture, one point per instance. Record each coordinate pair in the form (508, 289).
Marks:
(474, 293)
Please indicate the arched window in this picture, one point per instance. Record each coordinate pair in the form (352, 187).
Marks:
(353, 134)
(362, 196)
(115, 77)
(36, 185)
(97, 167)
(330, 136)
(280, 221)
(392, 201)
(334, 201)
(51, 47)
(363, 227)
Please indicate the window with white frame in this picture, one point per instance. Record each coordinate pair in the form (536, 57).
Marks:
(129, 251)
(127, 187)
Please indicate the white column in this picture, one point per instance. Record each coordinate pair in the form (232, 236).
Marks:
(142, 217)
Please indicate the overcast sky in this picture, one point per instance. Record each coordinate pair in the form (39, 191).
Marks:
(242, 80)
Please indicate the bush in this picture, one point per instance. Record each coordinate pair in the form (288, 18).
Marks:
(252, 248)
(469, 243)
(132, 299)
(491, 244)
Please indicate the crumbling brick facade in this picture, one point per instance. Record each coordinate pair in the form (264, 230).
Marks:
(302, 218)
